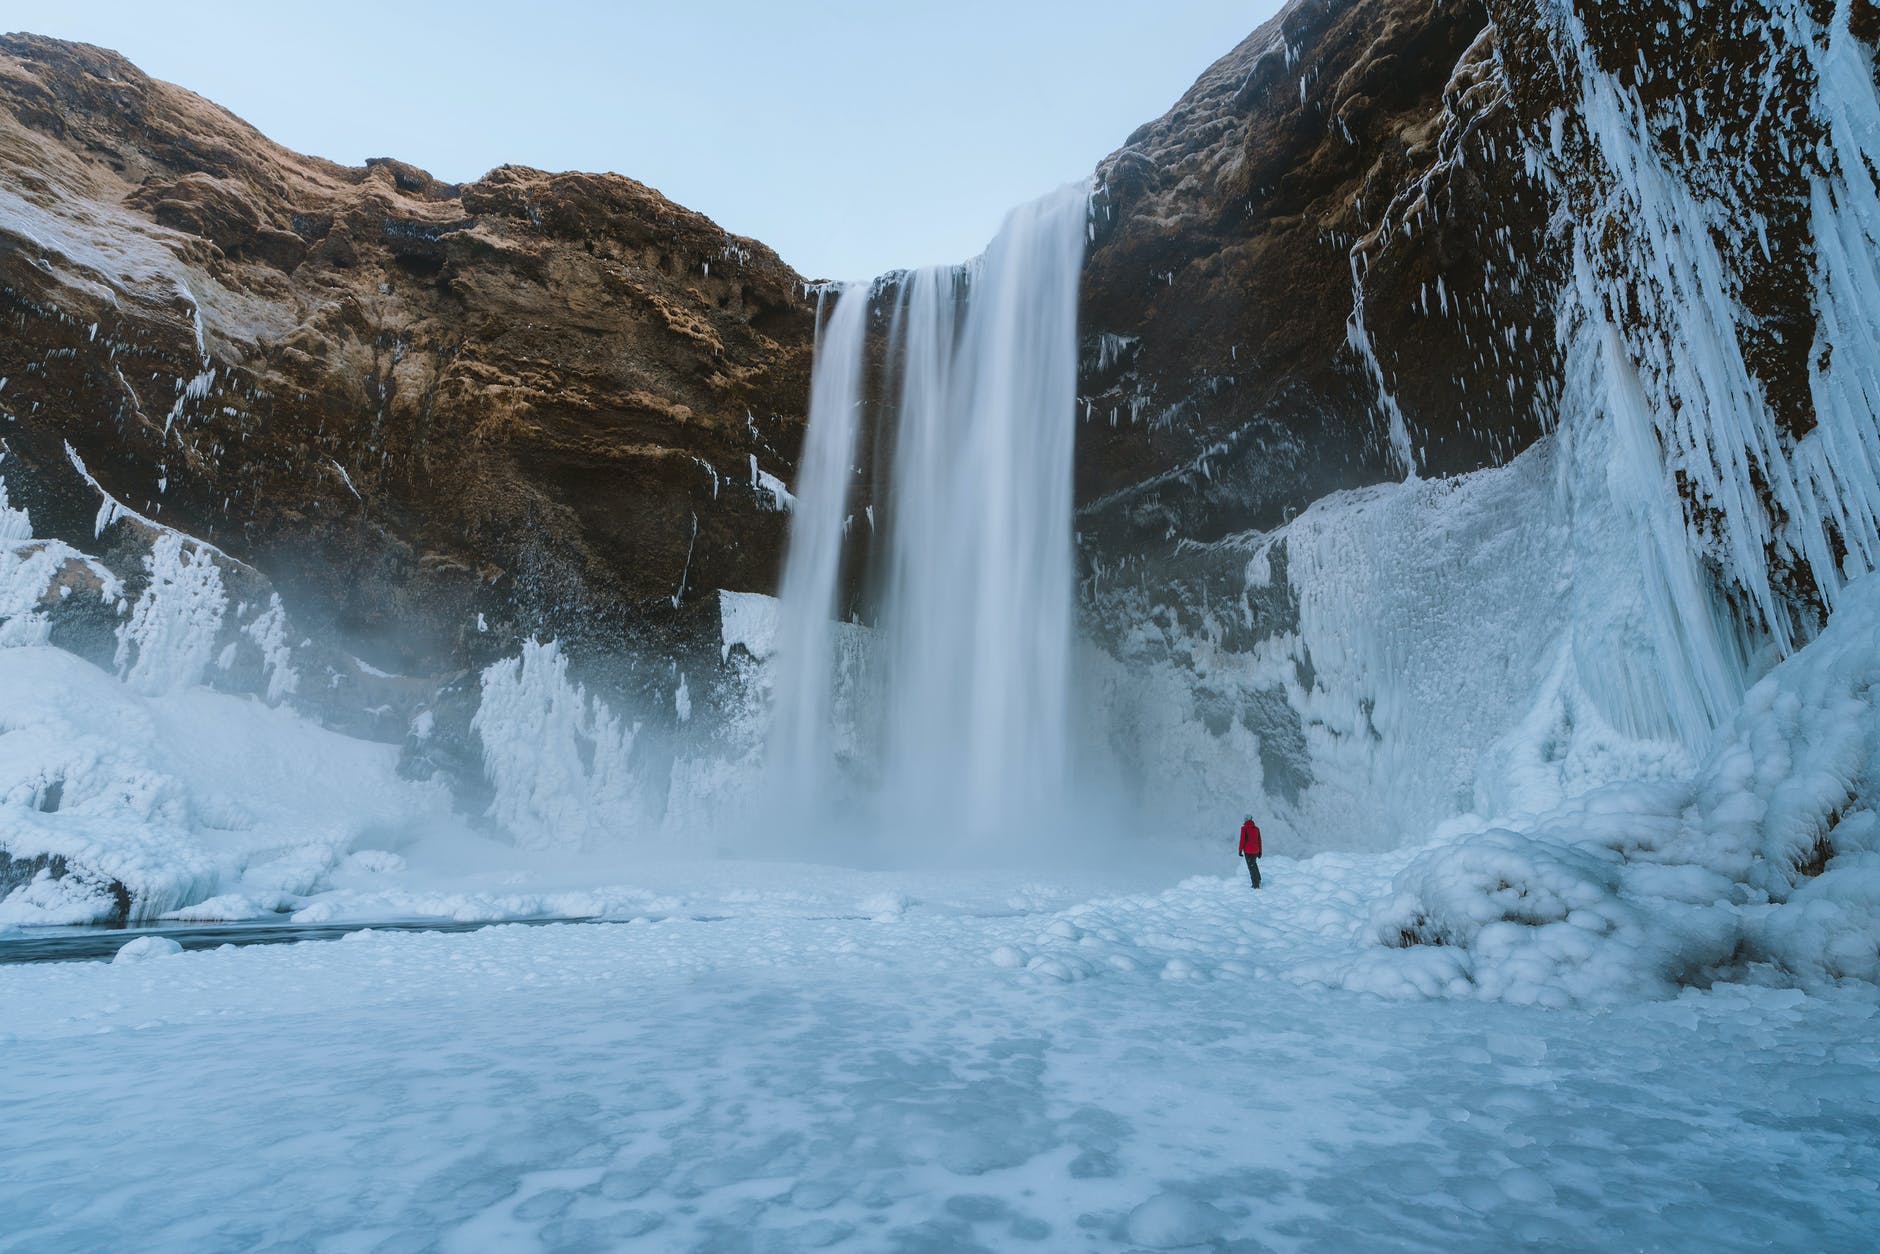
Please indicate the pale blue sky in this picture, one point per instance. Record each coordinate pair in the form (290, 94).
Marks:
(851, 136)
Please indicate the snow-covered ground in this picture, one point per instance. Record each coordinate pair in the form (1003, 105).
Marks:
(978, 1068)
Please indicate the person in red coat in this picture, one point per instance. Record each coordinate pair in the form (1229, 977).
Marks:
(1250, 848)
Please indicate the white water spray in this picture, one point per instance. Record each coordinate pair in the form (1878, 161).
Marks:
(975, 609)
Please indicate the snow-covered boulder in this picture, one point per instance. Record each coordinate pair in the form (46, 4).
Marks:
(144, 948)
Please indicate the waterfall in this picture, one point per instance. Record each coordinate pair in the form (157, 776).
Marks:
(978, 613)
(800, 732)
(974, 573)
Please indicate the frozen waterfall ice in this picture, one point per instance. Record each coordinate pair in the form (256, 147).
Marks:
(967, 697)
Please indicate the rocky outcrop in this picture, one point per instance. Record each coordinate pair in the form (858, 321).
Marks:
(1354, 249)
(1328, 264)
(439, 418)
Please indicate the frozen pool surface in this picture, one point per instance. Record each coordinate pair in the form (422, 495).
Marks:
(913, 1079)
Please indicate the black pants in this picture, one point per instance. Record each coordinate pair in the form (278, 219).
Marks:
(1253, 868)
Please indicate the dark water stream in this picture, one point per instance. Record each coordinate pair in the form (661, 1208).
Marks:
(78, 944)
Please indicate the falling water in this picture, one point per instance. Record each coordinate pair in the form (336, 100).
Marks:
(978, 611)
(800, 733)
(975, 604)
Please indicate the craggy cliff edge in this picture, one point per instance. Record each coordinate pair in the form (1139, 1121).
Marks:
(1345, 253)
(437, 418)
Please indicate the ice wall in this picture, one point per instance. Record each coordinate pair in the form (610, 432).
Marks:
(1759, 864)
(1402, 655)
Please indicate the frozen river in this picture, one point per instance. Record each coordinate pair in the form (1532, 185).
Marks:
(1140, 1072)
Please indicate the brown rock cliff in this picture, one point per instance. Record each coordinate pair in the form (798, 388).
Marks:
(536, 397)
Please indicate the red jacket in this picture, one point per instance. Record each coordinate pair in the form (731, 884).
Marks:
(1250, 838)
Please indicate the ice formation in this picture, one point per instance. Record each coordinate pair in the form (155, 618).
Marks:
(31, 570)
(1766, 859)
(1647, 265)
(131, 795)
(269, 632)
(169, 639)
(124, 805)
(557, 758)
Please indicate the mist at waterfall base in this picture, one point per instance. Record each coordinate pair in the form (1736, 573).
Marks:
(942, 730)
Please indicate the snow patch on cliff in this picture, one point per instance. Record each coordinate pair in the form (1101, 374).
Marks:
(748, 619)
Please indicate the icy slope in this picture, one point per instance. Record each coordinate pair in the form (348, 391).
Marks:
(135, 791)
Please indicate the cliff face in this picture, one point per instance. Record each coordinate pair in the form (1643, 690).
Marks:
(1358, 246)
(439, 418)
(1326, 265)
(1629, 247)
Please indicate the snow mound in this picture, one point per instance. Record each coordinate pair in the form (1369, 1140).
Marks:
(229, 908)
(1169, 1221)
(125, 806)
(1765, 863)
(144, 948)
